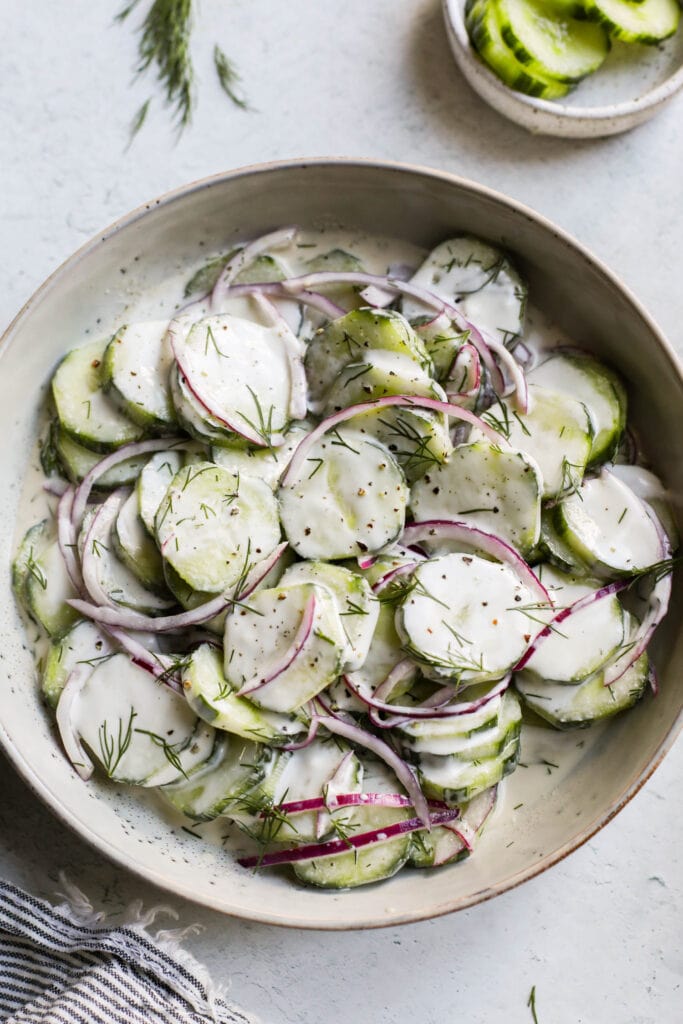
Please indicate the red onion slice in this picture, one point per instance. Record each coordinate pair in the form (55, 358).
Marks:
(71, 741)
(66, 538)
(404, 713)
(273, 240)
(318, 803)
(158, 665)
(128, 451)
(519, 384)
(332, 847)
(465, 372)
(98, 534)
(472, 536)
(282, 663)
(399, 570)
(418, 402)
(658, 605)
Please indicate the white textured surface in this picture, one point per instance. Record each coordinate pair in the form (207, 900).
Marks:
(599, 935)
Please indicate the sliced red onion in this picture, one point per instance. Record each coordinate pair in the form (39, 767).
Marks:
(399, 672)
(71, 741)
(312, 851)
(472, 536)
(653, 680)
(406, 712)
(309, 738)
(128, 619)
(378, 298)
(282, 663)
(366, 561)
(98, 534)
(383, 403)
(273, 240)
(399, 570)
(465, 372)
(66, 538)
(657, 608)
(128, 451)
(177, 334)
(517, 375)
(295, 357)
(404, 773)
(158, 665)
(318, 803)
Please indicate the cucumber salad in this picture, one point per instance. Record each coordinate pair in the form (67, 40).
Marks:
(326, 538)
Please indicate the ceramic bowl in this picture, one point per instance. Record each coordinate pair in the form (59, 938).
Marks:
(634, 83)
(133, 257)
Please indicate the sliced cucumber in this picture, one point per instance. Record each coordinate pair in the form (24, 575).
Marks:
(636, 21)
(234, 768)
(442, 341)
(77, 461)
(548, 42)
(243, 370)
(556, 433)
(474, 744)
(484, 29)
(47, 589)
(213, 698)
(193, 417)
(480, 279)
(136, 549)
(370, 863)
(342, 262)
(85, 412)
(384, 654)
(567, 707)
(357, 607)
(444, 845)
(141, 732)
(458, 618)
(591, 382)
(204, 279)
(494, 489)
(345, 341)
(608, 527)
(378, 374)
(455, 781)
(434, 735)
(417, 438)
(585, 641)
(84, 644)
(553, 548)
(267, 464)
(650, 489)
(34, 541)
(135, 370)
(212, 525)
(261, 633)
(115, 577)
(154, 481)
(350, 498)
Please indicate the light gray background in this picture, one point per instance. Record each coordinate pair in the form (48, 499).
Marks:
(599, 936)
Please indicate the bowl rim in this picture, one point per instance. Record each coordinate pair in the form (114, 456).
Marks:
(80, 826)
(454, 13)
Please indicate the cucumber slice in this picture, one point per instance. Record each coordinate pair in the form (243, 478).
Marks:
(443, 845)
(203, 280)
(141, 732)
(85, 412)
(608, 527)
(153, 482)
(556, 433)
(350, 498)
(585, 641)
(371, 863)
(479, 279)
(417, 438)
(212, 525)
(442, 341)
(458, 617)
(483, 27)
(234, 768)
(475, 744)
(193, 417)
(135, 547)
(261, 633)
(645, 21)
(378, 374)
(496, 490)
(341, 262)
(243, 369)
(357, 607)
(47, 589)
(650, 489)
(455, 781)
(263, 268)
(213, 698)
(597, 387)
(115, 577)
(346, 340)
(135, 371)
(433, 735)
(568, 707)
(77, 462)
(553, 548)
(267, 464)
(34, 541)
(384, 654)
(84, 644)
(550, 43)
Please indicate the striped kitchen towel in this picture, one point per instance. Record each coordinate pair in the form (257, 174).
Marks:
(70, 965)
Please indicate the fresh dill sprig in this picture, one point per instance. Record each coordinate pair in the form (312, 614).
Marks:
(531, 1003)
(170, 750)
(35, 571)
(112, 748)
(229, 78)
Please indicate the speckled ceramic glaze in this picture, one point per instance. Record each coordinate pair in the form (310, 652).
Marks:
(634, 83)
(602, 768)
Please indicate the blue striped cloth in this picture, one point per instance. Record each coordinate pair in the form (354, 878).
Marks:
(67, 965)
